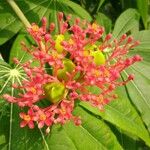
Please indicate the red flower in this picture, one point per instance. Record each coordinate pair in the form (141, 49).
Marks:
(77, 61)
(28, 119)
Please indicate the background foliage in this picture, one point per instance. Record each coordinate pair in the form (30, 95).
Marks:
(125, 123)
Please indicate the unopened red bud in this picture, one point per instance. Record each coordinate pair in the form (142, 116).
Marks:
(123, 36)
(60, 16)
(137, 58)
(69, 17)
(14, 85)
(35, 107)
(44, 21)
(64, 43)
(130, 39)
(77, 20)
(128, 61)
(108, 37)
(15, 60)
(65, 25)
(47, 37)
(102, 30)
(106, 101)
(136, 43)
(52, 27)
(77, 121)
(115, 96)
(131, 77)
(112, 87)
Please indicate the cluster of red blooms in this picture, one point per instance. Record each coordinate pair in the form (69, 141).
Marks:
(79, 58)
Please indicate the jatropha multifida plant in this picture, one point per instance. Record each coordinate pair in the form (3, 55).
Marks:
(79, 57)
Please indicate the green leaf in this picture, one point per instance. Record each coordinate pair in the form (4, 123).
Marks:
(17, 51)
(144, 46)
(9, 24)
(24, 138)
(126, 21)
(98, 129)
(78, 10)
(142, 6)
(122, 114)
(104, 21)
(34, 10)
(93, 132)
(4, 134)
(139, 88)
(74, 134)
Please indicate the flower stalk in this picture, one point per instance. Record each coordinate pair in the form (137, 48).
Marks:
(19, 13)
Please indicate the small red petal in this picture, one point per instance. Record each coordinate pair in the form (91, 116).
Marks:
(23, 124)
(31, 124)
(22, 115)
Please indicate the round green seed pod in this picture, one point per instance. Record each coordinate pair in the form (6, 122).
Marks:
(54, 92)
(68, 67)
(58, 46)
(99, 57)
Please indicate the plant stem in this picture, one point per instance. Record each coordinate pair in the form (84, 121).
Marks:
(19, 13)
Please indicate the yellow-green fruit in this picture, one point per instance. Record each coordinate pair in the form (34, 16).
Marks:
(99, 57)
(54, 92)
(68, 67)
(58, 41)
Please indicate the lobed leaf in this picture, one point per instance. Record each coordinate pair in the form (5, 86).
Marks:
(142, 6)
(122, 114)
(126, 21)
(139, 88)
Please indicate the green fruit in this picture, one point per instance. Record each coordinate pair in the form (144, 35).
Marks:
(61, 74)
(68, 67)
(54, 92)
(99, 57)
(58, 41)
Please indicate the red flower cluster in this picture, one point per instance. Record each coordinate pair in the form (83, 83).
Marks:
(79, 58)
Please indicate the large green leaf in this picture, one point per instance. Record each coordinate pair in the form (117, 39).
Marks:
(122, 114)
(126, 21)
(77, 9)
(139, 88)
(9, 24)
(93, 133)
(34, 10)
(98, 129)
(142, 6)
